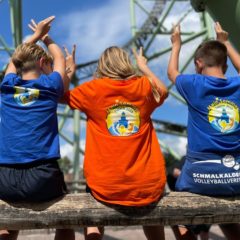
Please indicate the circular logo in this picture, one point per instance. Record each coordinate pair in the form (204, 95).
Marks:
(123, 120)
(228, 161)
(223, 116)
(25, 96)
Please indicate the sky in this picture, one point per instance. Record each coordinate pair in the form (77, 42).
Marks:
(94, 25)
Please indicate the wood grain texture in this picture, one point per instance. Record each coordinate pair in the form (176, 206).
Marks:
(75, 210)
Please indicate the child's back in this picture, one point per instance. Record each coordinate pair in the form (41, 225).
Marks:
(29, 144)
(213, 156)
(123, 162)
(122, 150)
(29, 115)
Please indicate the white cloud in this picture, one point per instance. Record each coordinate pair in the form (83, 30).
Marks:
(67, 150)
(96, 29)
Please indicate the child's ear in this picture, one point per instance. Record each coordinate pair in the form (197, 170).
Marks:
(41, 62)
(199, 65)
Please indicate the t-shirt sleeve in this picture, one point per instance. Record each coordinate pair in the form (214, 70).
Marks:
(55, 82)
(185, 85)
(81, 97)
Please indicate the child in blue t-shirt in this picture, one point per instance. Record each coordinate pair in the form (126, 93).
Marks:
(29, 141)
(212, 164)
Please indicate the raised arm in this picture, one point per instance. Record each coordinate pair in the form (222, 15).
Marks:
(173, 71)
(54, 50)
(70, 68)
(222, 36)
(41, 30)
(70, 61)
(155, 81)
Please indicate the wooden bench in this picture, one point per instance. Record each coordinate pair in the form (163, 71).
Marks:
(76, 210)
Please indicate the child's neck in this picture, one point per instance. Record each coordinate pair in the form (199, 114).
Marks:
(30, 75)
(213, 71)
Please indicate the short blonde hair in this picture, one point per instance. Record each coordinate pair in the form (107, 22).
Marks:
(27, 55)
(115, 63)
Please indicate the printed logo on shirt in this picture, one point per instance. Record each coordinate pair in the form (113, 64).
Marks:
(123, 119)
(223, 115)
(223, 176)
(25, 96)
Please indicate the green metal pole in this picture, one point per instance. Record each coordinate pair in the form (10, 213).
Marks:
(5, 46)
(76, 143)
(63, 119)
(141, 7)
(12, 14)
(207, 23)
(177, 96)
(16, 21)
(196, 35)
(133, 17)
(76, 147)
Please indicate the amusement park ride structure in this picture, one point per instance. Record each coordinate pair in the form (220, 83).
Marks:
(145, 35)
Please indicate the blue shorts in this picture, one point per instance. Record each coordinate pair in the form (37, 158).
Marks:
(213, 177)
(31, 182)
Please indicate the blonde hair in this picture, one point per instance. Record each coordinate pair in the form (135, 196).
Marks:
(27, 55)
(115, 63)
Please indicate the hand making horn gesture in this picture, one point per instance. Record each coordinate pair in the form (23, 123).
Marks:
(70, 61)
(222, 35)
(140, 59)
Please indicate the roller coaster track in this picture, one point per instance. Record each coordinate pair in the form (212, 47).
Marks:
(86, 70)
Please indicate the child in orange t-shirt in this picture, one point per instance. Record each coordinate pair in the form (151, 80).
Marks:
(123, 162)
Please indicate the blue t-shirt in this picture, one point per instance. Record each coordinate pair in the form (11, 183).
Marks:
(28, 128)
(213, 157)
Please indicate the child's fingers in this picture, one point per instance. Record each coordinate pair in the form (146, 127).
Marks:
(141, 51)
(178, 28)
(66, 51)
(31, 27)
(33, 23)
(218, 27)
(49, 20)
(74, 51)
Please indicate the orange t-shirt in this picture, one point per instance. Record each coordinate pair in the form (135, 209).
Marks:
(123, 162)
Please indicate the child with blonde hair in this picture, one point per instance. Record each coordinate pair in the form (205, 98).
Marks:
(29, 141)
(123, 162)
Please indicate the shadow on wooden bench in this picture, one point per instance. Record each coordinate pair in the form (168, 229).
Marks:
(75, 210)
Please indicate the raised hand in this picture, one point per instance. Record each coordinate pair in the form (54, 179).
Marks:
(176, 36)
(140, 59)
(222, 35)
(70, 61)
(42, 28)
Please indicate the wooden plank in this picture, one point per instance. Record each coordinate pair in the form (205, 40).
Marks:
(75, 210)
